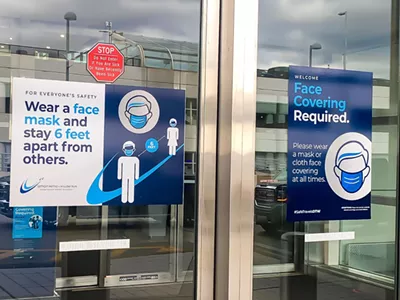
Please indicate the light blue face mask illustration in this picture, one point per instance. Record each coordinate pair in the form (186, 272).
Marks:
(138, 111)
(129, 152)
(129, 148)
(138, 121)
(352, 182)
(352, 166)
(173, 123)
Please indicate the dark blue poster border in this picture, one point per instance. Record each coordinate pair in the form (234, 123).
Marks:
(329, 144)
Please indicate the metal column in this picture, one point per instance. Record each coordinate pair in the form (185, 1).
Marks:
(207, 147)
(236, 150)
(395, 107)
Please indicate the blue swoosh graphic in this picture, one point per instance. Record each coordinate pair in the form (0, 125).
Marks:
(348, 154)
(96, 196)
(24, 189)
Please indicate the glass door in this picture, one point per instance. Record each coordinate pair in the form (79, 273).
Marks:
(160, 53)
(299, 260)
(162, 237)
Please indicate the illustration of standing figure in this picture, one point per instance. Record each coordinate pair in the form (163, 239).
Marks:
(172, 136)
(128, 172)
(34, 221)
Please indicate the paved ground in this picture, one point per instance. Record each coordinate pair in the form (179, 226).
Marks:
(26, 283)
(325, 287)
(154, 255)
(33, 284)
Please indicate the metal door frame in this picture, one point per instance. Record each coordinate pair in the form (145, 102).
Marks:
(236, 150)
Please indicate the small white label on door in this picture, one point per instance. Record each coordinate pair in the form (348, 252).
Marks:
(329, 236)
(94, 245)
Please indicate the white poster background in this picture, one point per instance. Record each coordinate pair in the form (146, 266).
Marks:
(74, 178)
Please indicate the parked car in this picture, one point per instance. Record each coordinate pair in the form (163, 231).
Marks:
(270, 203)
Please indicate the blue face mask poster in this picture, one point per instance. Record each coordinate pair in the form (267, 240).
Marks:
(77, 144)
(27, 223)
(329, 144)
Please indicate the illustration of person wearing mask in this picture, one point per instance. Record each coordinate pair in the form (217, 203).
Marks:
(138, 111)
(172, 136)
(352, 166)
(35, 221)
(128, 172)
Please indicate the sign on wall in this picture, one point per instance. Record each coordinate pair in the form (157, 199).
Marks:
(79, 144)
(105, 62)
(29, 245)
(27, 223)
(329, 144)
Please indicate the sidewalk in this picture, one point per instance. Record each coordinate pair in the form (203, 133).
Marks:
(27, 283)
(38, 284)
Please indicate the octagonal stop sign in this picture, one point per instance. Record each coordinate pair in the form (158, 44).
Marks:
(105, 62)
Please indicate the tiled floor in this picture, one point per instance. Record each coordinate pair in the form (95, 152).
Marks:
(38, 283)
(161, 292)
(323, 287)
(26, 283)
(327, 287)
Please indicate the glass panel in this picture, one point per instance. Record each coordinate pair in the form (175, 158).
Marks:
(33, 44)
(151, 62)
(285, 267)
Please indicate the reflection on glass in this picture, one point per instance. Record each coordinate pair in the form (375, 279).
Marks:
(33, 40)
(348, 38)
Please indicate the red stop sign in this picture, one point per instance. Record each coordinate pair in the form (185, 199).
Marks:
(105, 62)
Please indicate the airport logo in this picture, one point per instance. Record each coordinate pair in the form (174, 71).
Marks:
(25, 187)
(139, 111)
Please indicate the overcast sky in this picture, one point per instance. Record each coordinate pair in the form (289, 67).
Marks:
(40, 22)
(286, 27)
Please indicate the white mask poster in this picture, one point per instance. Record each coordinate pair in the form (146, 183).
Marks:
(78, 144)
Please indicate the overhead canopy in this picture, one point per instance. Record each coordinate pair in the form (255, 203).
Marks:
(158, 53)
